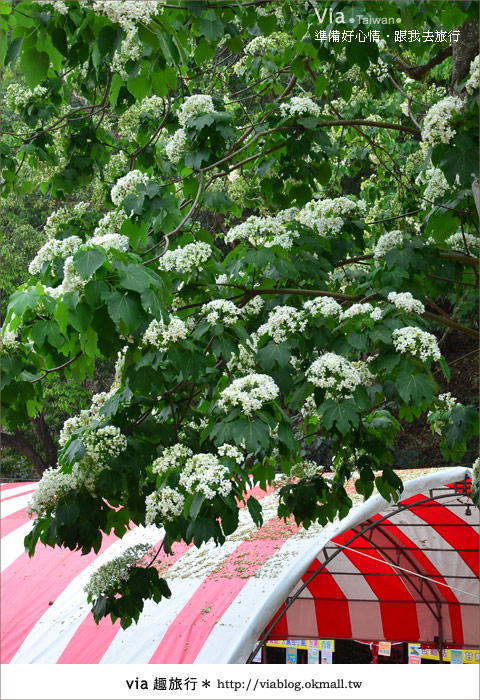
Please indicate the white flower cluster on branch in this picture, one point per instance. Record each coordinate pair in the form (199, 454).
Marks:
(413, 341)
(436, 184)
(250, 393)
(221, 311)
(167, 504)
(53, 249)
(405, 301)
(204, 473)
(62, 216)
(193, 106)
(450, 402)
(436, 124)
(278, 41)
(473, 83)
(53, 485)
(126, 14)
(298, 106)
(264, 231)
(172, 458)
(326, 216)
(129, 120)
(463, 242)
(283, 321)
(323, 306)
(104, 442)
(161, 335)
(176, 145)
(127, 184)
(190, 257)
(109, 575)
(387, 241)
(335, 373)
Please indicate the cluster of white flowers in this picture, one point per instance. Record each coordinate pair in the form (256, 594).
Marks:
(473, 83)
(126, 184)
(322, 306)
(278, 41)
(436, 184)
(176, 145)
(457, 241)
(386, 242)
(286, 215)
(128, 122)
(325, 215)
(221, 311)
(62, 216)
(161, 335)
(110, 223)
(335, 373)
(299, 106)
(167, 503)
(204, 473)
(260, 230)
(436, 126)
(53, 485)
(244, 362)
(378, 70)
(450, 401)
(104, 442)
(57, 5)
(230, 451)
(171, 458)
(361, 310)
(405, 301)
(8, 339)
(53, 249)
(130, 49)
(109, 241)
(126, 14)
(18, 96)
(305, 469)
(190, 257)
(72, 280)
(362, 367)
(283, 321)
(414, 341)
(252, 307)
(476, 475)
(250, 393)
(193, 106)
(110, 574)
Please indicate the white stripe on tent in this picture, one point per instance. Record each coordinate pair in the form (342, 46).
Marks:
(16, 504)
(12, 545)
(18, 490)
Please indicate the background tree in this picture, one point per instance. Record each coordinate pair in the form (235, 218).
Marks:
(266, 253)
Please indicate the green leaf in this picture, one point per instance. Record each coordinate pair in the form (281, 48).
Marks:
(415, 387)
(462, 163)
(273, 354)
(286, 436)
(255, 433)
(22, 300)
(255, 510)
(320, 85)
(211, 27)
(151, 302)
(34, 65)
(81, 318)
(13, 50)
(343, 414)
(197, 503)
(126, 308)
(135, 277)
(59, 40)
(204, 51)
(86, 262)
(345, 89)
(68, 514)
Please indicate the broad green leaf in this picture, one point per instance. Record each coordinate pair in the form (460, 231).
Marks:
(86, 262)
(415, 387)
(125, 307)
(342, 414)
(34, 65)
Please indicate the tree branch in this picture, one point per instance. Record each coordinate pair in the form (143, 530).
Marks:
(20, 444)
(419, 72)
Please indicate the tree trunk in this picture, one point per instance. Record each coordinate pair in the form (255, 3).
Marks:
(18, 442)
(46, 441)
(464, 51)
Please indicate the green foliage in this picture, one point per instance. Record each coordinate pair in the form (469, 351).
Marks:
(172, 141)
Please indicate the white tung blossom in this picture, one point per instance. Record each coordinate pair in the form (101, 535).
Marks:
(278, 41)
(204, 473)
(439, 422)
(104, 442)
(221, 311)
(335, 373)
(166, 504)
(127, 184)
(107, 577)
(299, 106)
(326, 216)
(161, 335)
(250, 393)
(322, 306)
(190, 257)
(283, 321)
(436, 184)
(266, 231)
(463, 242)
(405, 301)
(386, 242)
(473, 83)
(361, 310)
(436, 124)
(171, 458)
(412, 340)
(62, 216)
(193, 106)
(176, 145)
(126, 14)
(53, 249)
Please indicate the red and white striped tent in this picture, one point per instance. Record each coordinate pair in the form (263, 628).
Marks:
(406, 571)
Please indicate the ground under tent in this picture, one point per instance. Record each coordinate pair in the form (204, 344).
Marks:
(399, 572)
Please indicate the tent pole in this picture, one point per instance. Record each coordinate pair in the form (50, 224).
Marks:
(440, 633)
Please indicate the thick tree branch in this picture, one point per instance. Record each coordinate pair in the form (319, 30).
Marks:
(17, 442)
(46, 440)
(419, 72)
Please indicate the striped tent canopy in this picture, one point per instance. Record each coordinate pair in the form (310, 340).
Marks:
(406, 571)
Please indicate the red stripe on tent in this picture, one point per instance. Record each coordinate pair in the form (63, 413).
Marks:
(447, 525)
(333, 616)
(13, 521)
(80, 649)
(396, 625)
(28, 585)
(428, 568)
(185, 637)
(280, 631)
